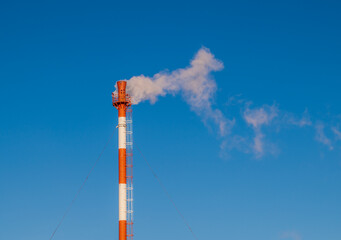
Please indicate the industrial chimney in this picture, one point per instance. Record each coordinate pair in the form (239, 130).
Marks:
(122, 102)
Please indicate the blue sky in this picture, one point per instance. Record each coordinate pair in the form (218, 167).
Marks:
(59, 61)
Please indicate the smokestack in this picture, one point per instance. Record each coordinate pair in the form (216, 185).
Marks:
(122, 101)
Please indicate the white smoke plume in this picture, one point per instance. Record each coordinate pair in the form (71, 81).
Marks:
(194, 82)
(198, 88)
(257, 118)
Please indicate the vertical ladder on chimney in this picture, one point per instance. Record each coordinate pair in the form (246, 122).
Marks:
(129, 149)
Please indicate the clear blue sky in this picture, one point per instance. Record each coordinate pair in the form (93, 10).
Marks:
(59, 61)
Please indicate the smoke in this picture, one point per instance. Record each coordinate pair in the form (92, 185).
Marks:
(337, 133)
(195, 83)
(257, 118)
(197, 87)
(321, 136)
(291, 119)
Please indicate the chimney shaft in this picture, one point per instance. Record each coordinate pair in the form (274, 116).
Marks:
(121, 102)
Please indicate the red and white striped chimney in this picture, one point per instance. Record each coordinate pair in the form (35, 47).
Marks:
(121, 101)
